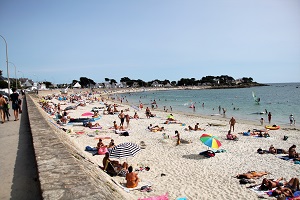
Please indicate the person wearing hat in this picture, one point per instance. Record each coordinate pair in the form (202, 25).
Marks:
(292, 120)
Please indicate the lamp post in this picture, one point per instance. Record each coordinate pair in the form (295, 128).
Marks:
(15, 73)
(6, 65)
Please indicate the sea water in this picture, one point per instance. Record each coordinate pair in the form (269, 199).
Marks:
(281, 99)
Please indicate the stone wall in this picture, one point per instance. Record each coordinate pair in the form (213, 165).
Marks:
(63, 172)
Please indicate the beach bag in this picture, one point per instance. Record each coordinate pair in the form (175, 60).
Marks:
(125, 134)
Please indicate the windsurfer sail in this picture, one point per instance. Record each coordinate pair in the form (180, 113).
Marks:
(256, 99)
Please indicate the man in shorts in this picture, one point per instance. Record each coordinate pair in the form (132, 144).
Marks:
(14, 97)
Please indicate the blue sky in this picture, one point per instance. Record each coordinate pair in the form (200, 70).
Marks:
(63, 40)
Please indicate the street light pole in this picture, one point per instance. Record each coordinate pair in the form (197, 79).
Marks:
(7, 65)
(15, 73)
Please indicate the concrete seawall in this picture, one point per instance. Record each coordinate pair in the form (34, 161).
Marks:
(63, 172)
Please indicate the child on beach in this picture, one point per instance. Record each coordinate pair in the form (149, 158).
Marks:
(178, 137)
(262, 121)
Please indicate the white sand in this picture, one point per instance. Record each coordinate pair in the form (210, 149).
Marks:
(187, 174)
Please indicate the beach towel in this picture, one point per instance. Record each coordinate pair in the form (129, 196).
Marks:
(96, 127)
(138, 187)
(260, 192)
(89, 148)
(285, 158)
(162, 197)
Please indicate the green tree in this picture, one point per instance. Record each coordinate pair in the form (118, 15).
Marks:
(3, 84)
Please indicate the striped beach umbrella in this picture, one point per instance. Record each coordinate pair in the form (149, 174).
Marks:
(124, 150)
(210, 141)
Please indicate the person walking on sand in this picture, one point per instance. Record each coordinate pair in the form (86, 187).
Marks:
(14, 97)
(269, 117)
(231, 124)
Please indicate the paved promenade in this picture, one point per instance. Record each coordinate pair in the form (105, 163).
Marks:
(38, 162)
(18, 172)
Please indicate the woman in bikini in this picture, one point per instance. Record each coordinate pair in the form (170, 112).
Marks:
(251, 175)
(269, 184)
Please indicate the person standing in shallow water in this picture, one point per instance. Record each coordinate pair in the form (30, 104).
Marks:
(269, 117)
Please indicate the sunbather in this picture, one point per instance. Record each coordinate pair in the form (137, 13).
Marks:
(287, 192)
(117, 166)
(269, 184)
(230, 136)
(111, 144)
(251, 175)
(197, 128)
(273, 150)
(90, 125)
(131, 178)
(157, 128)
(292, 152)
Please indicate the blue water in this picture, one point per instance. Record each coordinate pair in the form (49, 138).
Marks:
(281, 99)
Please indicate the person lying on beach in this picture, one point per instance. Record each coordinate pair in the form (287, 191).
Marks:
(292, 152)
(251, 175)
(269, 184)
(189, 128)
(90, 125)
(288, 189)
(273, 150)
(131, 178)
(172, 122)
(230, 136)
(255, 132)
(197, 128)
(157, 128)
(287, 192)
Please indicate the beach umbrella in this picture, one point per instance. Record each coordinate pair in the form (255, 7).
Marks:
(124, 150)
(210, 141)
(87, 114)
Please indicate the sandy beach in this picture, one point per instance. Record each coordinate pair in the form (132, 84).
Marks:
(179, 170)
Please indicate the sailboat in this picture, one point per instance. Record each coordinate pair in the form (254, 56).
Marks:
(256, 99)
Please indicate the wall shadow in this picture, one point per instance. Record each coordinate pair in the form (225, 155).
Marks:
(25, 181)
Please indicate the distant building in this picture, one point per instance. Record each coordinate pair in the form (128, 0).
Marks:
(77, 85)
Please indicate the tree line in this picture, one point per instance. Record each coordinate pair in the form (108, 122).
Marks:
(223, 80)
